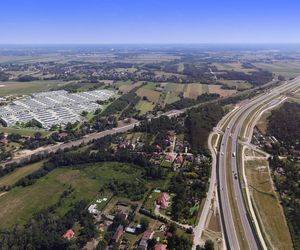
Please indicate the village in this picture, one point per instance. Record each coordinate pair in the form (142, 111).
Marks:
(148, 222)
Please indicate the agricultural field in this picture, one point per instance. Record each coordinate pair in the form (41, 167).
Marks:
(193, 90)
(267, 205)
(222, 92)
(144, 107)
(232, 66)
(171, 97)
(238, 84)
(152, 95)
(127, 86)
(286, 69)
(25, 88)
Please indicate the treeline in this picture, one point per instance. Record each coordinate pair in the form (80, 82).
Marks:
(4, 76)
(104, 154)
(190, 187)
(126, 101)
(133, 190)
(188, 102)
(159, 125)
(256, 78)
(200, 122)
(200, 73)
(27, 78)
(46, 229)
(287, 184)
(284, 125)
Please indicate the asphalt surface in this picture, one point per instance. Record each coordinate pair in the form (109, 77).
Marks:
(232, 134)
(85, 140)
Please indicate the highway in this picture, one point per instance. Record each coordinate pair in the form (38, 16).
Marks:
(237, 227)
(222, 172)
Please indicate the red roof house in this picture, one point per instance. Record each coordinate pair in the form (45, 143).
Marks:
(69, 234)
(3, 141)
(160, 246)
(163, 200)
(118, 233)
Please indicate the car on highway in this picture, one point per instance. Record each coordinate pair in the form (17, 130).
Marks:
(233, 154)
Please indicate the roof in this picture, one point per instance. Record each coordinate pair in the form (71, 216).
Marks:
(160, 246)
(4, 141)
(118, 233)
(69, 234)
(163, 200)
(130, 230)
(147, 235)
(93, 209)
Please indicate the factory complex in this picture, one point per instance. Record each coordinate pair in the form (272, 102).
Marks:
(52, 108)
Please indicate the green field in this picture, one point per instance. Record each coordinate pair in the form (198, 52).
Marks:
(288, 69)
(171, 97)
(144, 107)
(25, 88)
(19, 173)
(23, 131)
(21, 203)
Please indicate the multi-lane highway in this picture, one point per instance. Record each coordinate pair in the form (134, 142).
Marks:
(238, 229)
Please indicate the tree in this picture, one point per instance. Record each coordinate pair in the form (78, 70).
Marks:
(209, 245)
(172, 228)
(144, 223)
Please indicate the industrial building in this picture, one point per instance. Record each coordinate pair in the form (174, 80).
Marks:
(52, 108)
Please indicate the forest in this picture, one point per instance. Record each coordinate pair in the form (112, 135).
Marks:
(284, 126)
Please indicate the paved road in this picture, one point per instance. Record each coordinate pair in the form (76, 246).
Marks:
(199, 228)
(86, 139)
(228, 149)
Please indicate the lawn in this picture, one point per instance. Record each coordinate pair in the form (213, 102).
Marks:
(19, 173)
(150, 203)
(268, 206)
(104, 172)
(144, 106)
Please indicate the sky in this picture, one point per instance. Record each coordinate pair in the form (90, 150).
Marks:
(149, 21)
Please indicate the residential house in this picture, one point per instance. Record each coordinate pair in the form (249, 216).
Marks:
(69, 234)
(163, 200)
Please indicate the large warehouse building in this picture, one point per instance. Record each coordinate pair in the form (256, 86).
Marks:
(52, 108)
